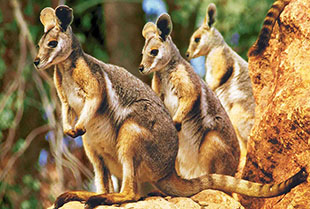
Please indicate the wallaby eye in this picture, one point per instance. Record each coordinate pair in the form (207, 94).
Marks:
(197, 39)
(154, 52)
(52, 44)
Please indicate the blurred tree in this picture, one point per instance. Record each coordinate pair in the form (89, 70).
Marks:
(124, 44)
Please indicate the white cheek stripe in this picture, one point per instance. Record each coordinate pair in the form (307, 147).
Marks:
(157, 59)
(55, 51)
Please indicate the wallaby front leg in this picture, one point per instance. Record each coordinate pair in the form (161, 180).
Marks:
(186, 92)
(68, 117)
(102, 179)
(185, 105)
(88, 112)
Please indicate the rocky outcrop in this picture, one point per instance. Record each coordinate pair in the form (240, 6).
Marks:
(280, 139)
(208, 199)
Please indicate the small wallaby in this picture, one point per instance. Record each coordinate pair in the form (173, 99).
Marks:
(263, 38)
(207, 140)
(227, 75)
(125, 127)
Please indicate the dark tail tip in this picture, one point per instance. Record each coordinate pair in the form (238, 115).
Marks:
(302, 175)
(298, 178)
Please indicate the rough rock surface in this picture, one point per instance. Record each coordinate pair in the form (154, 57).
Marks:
(207, 199)
(280, 139)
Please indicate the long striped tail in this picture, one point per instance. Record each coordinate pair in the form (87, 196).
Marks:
(176, 186)
(265, 33)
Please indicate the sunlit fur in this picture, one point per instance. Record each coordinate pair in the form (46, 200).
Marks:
(207, 141)
(125, 127)
(227, 75)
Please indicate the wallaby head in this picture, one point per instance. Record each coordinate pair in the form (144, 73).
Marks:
(205, 37)
(157, 49)
(56, 42)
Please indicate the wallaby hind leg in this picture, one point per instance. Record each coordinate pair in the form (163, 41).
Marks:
(102, 177)
(216, 156)
(129, 134)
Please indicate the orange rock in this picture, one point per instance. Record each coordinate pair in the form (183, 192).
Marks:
(280, 139)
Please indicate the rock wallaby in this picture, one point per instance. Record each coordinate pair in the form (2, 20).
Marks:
(125, 127)
(207, 140)
(227, 75)
(263, 38)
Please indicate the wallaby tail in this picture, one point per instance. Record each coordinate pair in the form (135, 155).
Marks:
(176, 186)
(265, 33)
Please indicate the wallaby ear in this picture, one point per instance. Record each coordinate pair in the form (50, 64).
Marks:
(148, 30)
(210, 15)
(164, 26)
(47, 18)
(64, 16)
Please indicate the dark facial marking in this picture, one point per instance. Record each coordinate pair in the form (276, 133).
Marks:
(227, 75)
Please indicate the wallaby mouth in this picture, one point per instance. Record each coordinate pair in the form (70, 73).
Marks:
(40, 64)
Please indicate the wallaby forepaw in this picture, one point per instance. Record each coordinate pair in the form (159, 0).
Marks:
(66, 197)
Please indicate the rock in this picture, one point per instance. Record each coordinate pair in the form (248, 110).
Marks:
(279, 144)
(213, 199)
(208, 199)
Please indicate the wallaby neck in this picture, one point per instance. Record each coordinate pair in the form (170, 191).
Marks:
(176, 57)
(76, 53)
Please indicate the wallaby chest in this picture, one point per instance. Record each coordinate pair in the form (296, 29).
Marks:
(168, 93)
(68, 88)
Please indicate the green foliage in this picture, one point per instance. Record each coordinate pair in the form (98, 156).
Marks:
(1, 18)
(243, 18)
(239, 21)
(18, 145)
(31, 183)
(183, 14)
(7, 115)
(100, 54)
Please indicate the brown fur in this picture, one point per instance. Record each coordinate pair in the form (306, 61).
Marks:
(194, 108)
(125, 127)
(227, 75)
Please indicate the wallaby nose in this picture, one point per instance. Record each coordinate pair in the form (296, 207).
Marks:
(36, 62)
(187, 54)
(141, 68)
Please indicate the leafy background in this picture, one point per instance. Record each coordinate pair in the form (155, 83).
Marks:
(37, 162)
